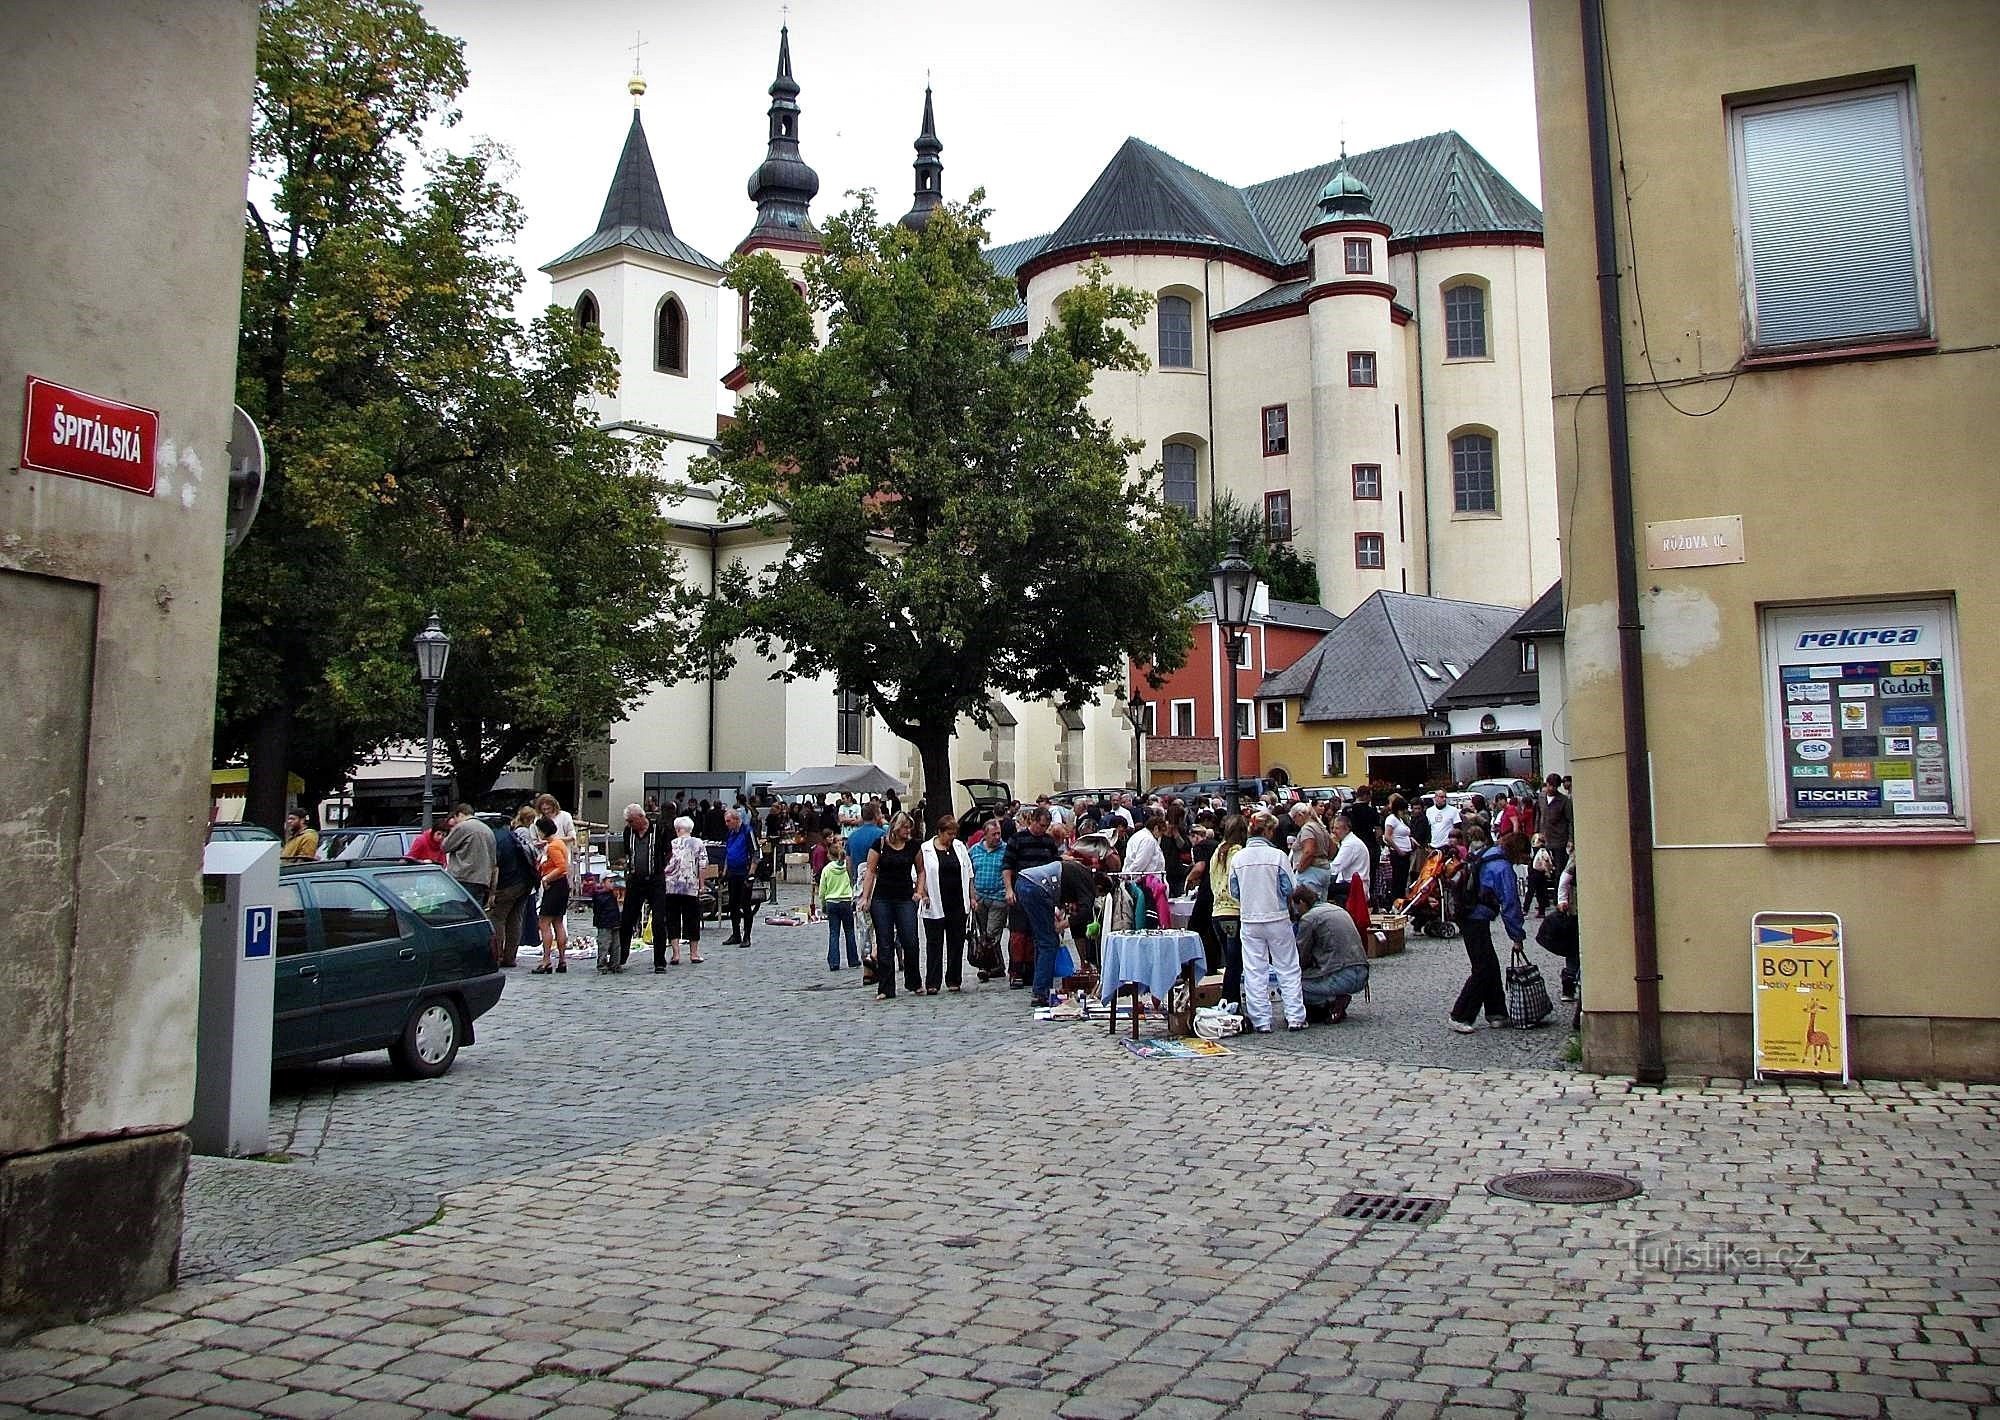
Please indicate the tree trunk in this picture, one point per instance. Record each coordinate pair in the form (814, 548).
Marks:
(934, 753)
(270, 747)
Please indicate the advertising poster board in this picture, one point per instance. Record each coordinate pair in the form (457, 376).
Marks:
(1798, 995)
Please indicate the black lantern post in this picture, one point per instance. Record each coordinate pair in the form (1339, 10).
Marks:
(1233, 584)
(433, 649)
(1135, 711)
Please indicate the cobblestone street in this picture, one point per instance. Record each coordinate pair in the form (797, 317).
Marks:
(747, 1189)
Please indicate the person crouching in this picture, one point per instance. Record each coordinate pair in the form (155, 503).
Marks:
(1333, 963)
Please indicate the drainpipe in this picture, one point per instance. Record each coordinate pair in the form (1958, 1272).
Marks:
(1208, 371)
(1631, 672)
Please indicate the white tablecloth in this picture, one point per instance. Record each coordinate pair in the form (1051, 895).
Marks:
(1151, 959)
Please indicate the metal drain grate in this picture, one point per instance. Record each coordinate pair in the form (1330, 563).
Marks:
(1563, 1186)
(1389, 1208)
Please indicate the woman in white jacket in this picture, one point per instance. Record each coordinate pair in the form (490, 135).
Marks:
(945, 899)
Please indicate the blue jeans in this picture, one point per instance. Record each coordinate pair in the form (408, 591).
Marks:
(895, 929)
(839, 918)
(1040, 910)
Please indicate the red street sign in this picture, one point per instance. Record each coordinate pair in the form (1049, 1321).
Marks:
(88, 436)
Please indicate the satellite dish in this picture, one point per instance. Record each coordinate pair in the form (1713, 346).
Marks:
(246, 479)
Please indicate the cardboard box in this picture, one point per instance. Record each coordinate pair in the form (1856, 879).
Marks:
(1384, 941)
(1208, 991)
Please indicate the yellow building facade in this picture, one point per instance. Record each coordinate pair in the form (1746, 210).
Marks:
(1803, 198)
(1328, 752)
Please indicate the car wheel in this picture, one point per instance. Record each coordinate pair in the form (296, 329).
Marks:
(430, 1040)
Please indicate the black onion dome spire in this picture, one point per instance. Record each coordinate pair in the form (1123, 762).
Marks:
(930, 170)
(783, 187)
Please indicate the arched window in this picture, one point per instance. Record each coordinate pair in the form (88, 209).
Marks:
(586, 312)
(1465, 321)
(670, 347)
(1176, 333)
(1472, 486)
(1177, 484)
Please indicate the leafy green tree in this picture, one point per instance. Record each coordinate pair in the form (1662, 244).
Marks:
(959, 522)
(1205, 539)
(426, 451)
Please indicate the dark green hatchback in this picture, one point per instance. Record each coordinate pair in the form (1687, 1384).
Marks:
(375, 956)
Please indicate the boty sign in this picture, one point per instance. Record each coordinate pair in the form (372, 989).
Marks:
(90, 437)
(1798, 994)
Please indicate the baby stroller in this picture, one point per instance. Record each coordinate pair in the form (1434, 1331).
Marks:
(1429, 903)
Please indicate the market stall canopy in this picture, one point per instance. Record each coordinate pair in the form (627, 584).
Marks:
(840, 779)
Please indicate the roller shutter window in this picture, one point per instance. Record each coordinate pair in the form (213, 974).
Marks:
(1830, 218)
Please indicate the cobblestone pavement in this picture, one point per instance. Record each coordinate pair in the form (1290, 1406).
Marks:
(241, 1215)
(933, 1209)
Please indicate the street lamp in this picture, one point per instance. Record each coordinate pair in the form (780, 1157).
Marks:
(433, 649)
(1135, 711)
(1233, 585)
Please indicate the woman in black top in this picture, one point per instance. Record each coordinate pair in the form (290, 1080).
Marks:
(889, 886)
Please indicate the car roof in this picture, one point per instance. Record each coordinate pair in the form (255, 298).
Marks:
(312, 867)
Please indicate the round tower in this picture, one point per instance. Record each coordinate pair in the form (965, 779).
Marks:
(1357, 373)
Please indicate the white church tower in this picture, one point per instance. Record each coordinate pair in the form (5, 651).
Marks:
(655, 299)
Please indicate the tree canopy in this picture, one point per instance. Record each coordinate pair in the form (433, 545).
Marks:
(1205, 539)
(425, 450)
(959, 522)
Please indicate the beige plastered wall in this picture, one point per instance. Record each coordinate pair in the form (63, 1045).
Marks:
(1854, 479)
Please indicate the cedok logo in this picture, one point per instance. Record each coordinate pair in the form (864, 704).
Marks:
(1848, 636)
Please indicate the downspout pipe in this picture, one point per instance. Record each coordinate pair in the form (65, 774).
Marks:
(1631, 671)
(714, 553)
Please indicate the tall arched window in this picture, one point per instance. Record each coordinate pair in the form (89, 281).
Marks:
(1465, 321)
(670, 349)
(1176, 333)
(1472, 486)
(586, 312)
(1177, 483)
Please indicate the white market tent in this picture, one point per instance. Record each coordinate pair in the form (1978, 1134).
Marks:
(840, 779)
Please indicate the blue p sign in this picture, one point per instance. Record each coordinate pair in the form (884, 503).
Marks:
(256, 931)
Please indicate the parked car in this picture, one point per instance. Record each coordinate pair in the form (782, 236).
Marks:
(375, 956)
(989, 797)
(367, 845)
(240, 833)
(1492, 789)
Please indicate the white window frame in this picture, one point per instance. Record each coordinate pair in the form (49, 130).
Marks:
(1779, 626)
(1246, 657)
(1246, 721)
(1759, 341)
(1328, 769)
(1274, 716)
(1530, 658)
(1152, 719)
(1175, 710)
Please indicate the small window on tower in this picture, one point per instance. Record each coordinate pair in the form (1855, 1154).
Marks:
(1360, 256)
(1361, 368)
(670, 338)
(586, 312)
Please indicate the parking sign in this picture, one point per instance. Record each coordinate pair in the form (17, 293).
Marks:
(256, 931)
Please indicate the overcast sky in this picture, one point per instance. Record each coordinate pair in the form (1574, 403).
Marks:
(1032, 97)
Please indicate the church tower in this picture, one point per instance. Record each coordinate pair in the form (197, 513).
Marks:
(654, 298)
(930, 170)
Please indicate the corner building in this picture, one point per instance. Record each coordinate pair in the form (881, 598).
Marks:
(1808, 317)
(1357, 351)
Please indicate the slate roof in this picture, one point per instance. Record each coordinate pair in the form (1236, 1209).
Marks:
(1284, 293)
(635, 211)
(1423, 187)
(1545, 617)
(1006, 259)
(1496, 678)
(1370, 667)
(1306, 616)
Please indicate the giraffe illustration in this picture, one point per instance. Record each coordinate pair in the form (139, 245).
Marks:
(1818, 1046)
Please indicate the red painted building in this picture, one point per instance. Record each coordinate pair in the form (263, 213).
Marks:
(1183, 714)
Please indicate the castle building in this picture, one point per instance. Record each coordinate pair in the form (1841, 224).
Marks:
(1357, 350)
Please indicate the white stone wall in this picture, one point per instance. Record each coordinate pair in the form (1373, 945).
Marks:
(629, 286)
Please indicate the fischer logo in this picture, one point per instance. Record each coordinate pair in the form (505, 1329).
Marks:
(1868, 797)
(1848, 636)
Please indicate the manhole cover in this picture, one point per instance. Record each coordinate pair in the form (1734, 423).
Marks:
(1389, 1208)
(1563, 1186)
(961, 1242)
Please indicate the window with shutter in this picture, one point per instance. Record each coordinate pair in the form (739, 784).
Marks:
(1830, 218)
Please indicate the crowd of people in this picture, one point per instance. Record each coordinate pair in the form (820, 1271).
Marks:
(1279, 891)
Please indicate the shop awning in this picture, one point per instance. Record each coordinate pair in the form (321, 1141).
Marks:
(840, 779)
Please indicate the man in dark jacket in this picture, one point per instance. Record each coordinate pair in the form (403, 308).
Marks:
(1553, 816)
(514, 874)
(645, 885)
(1030, 849)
